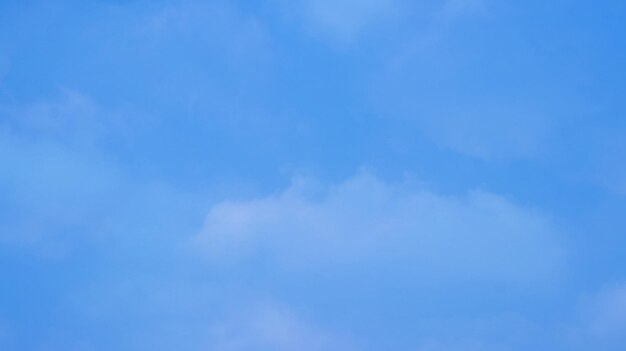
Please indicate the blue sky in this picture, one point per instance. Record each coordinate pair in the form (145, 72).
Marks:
(274, 175)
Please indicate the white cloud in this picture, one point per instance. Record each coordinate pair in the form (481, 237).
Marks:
(475, 237)
(272, 327)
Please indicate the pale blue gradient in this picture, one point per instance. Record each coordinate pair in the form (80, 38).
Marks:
(313, 175)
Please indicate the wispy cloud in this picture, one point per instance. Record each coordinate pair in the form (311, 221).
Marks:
(61, 186)
(607, 314)
(69, 118)
(220, 27)
(490, 130)
(347, 22)
(455, 8)
(342, 22)
(271, 327)
(53, 175)
(478, 236)
(597, 321)
(5, 336)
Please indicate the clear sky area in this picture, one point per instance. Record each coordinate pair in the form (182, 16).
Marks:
(313, 175)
